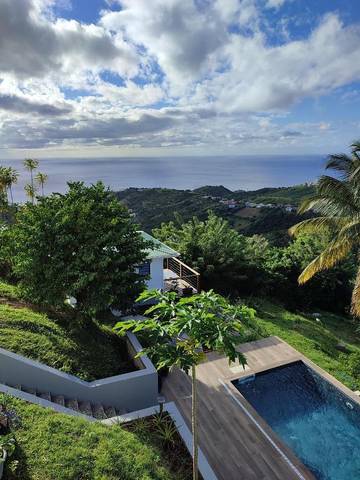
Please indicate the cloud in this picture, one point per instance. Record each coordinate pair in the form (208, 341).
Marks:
(274, 3)
(32, 45)
(22, 105)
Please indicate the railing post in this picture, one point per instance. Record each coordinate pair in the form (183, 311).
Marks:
(180, 270)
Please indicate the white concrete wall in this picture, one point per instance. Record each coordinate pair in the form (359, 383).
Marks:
(156, 274)
(131, 391)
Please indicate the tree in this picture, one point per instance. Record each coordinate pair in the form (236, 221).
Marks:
(82, 244)
(31, 164)
(12, 176)
(212, 247)
(30, 192)
(41, 179)
(337, 203)
(4, 184)
(179, 331)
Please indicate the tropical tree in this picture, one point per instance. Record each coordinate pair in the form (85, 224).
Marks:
(41, 178)
(11, 177)
(337, 203)
(3, 184)
(81, 245)
(212, 247)
(179, 331)
(30, 191)
(31, 164)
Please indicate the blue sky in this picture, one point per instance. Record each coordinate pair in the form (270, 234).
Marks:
(178, 77)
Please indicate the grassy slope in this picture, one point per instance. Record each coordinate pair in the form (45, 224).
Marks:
(52, 446)
(89, 353)
(316, 340)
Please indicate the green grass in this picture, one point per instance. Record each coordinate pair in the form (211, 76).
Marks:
(316, 340)
(52, 446)
(89, 353)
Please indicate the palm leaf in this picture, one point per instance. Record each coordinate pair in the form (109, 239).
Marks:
(355, 299)
(313, 225)
(332, 254)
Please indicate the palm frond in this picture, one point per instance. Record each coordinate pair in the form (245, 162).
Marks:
(317, 224)
(355, 299)
(339, 162)
(332, 254)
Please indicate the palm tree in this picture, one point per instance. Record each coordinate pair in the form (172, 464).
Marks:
(3, 183)
(31, 164)
(337, 202)
(12, 176)
(41, 179)
(30, 192)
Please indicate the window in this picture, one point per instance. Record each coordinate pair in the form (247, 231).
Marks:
(144, 269)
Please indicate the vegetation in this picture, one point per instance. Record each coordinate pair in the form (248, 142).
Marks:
(278, 196)
(323, 337)
(337, 204)
(211, 247)
(81, 245)
(31, 165)
(53, 446)
(90, 353)
(180, 330)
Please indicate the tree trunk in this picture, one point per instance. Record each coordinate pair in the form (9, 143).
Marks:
(194, 423)
(11, 195)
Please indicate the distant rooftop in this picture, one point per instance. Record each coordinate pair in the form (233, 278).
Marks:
(159, 249)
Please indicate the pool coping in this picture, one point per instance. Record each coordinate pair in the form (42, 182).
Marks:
(278, 444)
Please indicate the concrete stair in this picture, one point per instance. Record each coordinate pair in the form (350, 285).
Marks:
(96, 410)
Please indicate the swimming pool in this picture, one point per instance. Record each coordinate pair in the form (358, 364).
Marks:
(314, 418)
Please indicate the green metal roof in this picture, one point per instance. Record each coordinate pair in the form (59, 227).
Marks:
(158, 249)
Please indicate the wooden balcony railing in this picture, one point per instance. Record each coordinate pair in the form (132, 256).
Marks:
(183, 274)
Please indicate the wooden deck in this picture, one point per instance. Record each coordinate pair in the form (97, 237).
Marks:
(234, 445)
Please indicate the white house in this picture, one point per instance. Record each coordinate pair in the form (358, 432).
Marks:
(165, 270)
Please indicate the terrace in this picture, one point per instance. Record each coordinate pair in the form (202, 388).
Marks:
(237, 442)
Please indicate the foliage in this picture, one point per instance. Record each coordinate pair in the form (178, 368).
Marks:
(81, 244)
(316, 339)
(178, 330)
(354, 364)
(336, 203)
(274, 272)
(90, 353)
(212, 247)
(55, 446)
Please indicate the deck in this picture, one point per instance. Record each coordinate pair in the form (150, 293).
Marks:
(236, 448)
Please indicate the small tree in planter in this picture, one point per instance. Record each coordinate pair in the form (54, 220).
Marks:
(179, 331)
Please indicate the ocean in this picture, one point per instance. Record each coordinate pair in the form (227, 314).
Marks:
(234, 172)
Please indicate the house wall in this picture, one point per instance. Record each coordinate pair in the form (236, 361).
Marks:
(156, 274)
(130, 391)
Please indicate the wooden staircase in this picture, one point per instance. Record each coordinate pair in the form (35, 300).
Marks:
(96, 410)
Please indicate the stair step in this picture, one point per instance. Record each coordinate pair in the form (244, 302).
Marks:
(72, 403)
(59, 399)
(98, 411)
(45, 396)
(110, 412)
(85, 407)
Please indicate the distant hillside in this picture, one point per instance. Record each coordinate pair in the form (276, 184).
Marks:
(214, 191)
(282, 195)
(152, 206)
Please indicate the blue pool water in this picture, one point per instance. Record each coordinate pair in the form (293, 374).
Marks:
(315, 419)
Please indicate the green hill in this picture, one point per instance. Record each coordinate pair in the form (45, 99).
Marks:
(90, 352)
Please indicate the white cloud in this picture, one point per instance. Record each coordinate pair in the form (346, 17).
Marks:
(207, 70)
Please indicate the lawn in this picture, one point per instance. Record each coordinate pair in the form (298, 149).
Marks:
(52, 446)
(317, 340)
(90, 353)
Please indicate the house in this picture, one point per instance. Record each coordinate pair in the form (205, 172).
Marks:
(165, 270)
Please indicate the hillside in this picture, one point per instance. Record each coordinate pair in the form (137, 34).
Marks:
(90, 353)
(152, 206)
(52, 446)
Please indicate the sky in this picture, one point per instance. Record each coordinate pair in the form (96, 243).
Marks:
(105, 78)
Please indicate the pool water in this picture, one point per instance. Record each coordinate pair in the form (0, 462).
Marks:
(315, 419)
